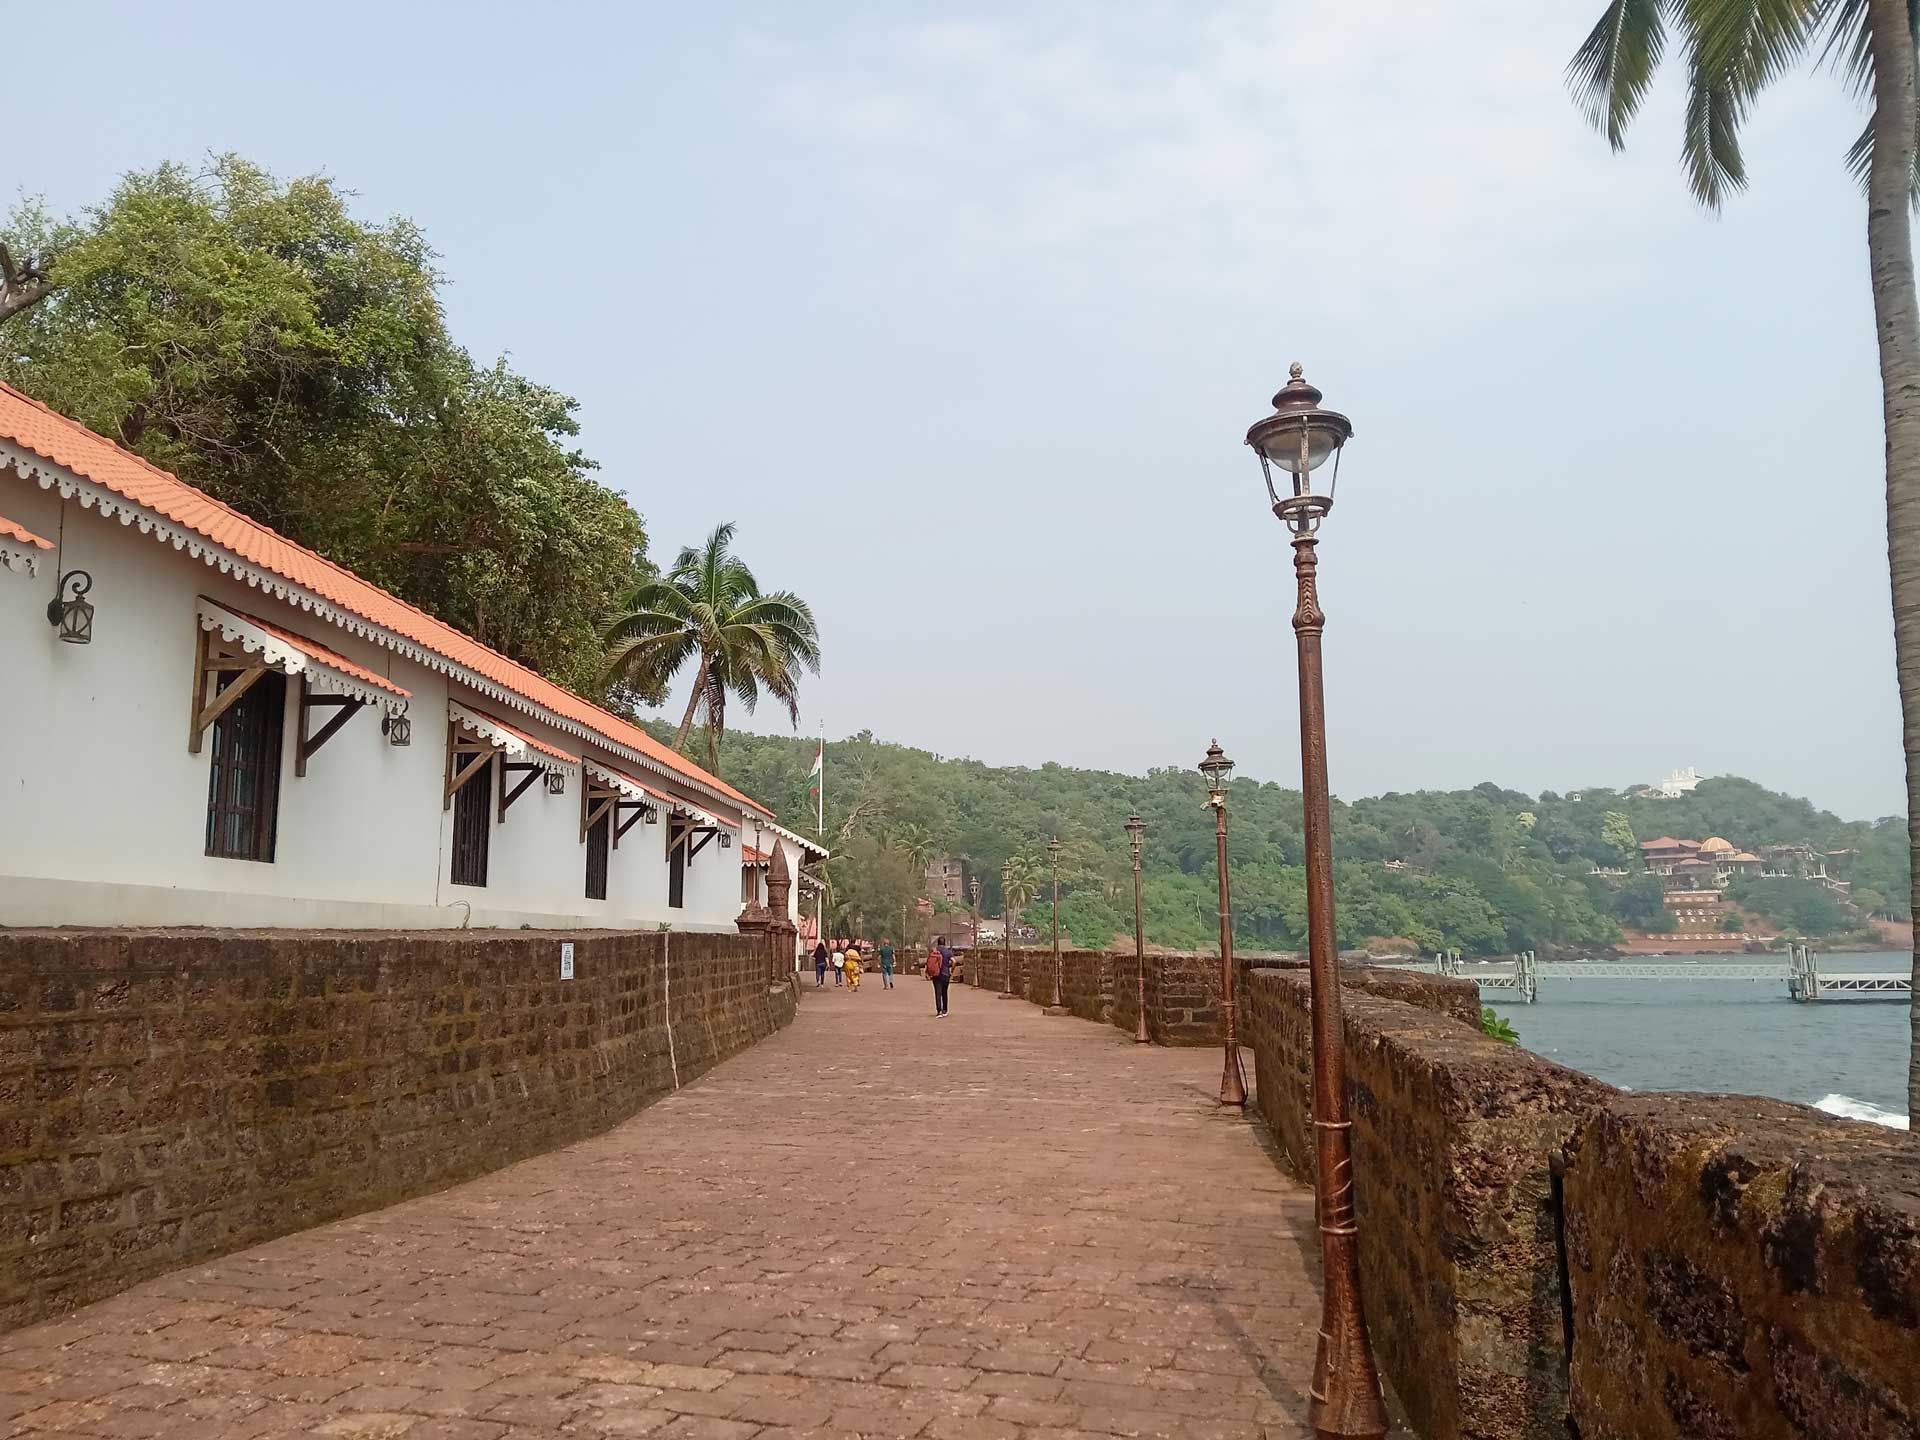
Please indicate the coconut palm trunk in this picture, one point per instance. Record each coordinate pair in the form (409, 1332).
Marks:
(693, 704)
(1897, 319)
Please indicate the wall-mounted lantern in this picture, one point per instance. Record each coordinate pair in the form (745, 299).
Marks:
(397, 727)
(72, 615)
(726, 840)
(556, 782)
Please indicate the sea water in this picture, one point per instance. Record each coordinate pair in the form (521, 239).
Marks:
(1848, 1056)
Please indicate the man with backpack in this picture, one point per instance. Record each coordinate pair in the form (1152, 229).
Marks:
(940, 972)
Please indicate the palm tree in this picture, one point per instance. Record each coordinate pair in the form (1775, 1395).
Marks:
(917, 844)
(1023, 883)
(709, 605)
(1734, 49)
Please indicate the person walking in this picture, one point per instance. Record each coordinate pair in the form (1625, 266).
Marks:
(940, 971)
(839, 964)
(853, 967)
(819, 963)
(886, 963)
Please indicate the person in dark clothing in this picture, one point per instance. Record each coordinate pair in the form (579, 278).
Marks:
(820, 963)
(886, 963)
(942, 978)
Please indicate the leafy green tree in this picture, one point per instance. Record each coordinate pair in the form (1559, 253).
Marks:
(709, 607)
(1616, 831)
(1734, 50)
(1805, 907)
(1091, 922)
(266, 345)
(1642, 905)
(875, 888)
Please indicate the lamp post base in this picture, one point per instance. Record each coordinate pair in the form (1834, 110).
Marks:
(1009, 995)
(1057, 1010)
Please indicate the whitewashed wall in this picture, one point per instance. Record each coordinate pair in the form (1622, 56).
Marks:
(103, 810)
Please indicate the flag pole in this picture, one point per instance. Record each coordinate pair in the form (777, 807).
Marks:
(820, 790)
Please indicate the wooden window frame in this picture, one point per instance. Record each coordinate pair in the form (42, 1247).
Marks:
(229, 715)
(476, 776)
(599, 841)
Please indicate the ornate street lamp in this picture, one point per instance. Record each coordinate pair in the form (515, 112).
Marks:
(1136, 837)
(1345, 1395)
(973, 890)
(1053, 854)
(72, 615)
(1006, 929)
(397, 727)
(1233, 1080)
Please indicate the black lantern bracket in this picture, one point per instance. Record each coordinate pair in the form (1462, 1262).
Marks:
(72, 615)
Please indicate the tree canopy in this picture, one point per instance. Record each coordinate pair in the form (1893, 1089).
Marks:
(1460, 869)
(256, 338)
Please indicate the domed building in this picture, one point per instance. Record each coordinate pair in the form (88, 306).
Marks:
(1715, 845)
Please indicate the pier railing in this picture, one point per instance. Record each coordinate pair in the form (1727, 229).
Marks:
(1799, 972)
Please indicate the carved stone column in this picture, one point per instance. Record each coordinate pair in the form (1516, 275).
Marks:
(782, 933)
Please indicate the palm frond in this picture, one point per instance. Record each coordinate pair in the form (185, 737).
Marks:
(1749, 43)
(1610, 72)
(1849, 49)
(1710, 148)
(646, 661)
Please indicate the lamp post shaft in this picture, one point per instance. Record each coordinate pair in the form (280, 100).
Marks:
(1345, 1394)
(1056, 933)
(1006, 935)
(974, 942)
(1140, 1036)
(1233, 1080)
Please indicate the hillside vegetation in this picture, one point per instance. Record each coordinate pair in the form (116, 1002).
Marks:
(1482, 870)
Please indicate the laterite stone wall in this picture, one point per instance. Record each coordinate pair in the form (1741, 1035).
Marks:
(1452, 1132)
(1739, 1269)
(165, 1097)
(1743, 1269)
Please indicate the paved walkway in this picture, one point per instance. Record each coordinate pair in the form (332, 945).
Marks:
(996, 1225)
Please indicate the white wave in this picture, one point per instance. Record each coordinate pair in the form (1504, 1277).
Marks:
(1849, 1108)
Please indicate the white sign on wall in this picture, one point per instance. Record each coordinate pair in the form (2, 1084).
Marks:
(566, 960)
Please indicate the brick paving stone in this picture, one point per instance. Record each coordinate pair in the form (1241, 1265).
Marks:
(994, 1227)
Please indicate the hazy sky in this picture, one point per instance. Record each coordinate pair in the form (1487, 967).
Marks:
(962, 313)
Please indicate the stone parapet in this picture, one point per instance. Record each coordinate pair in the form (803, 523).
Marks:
(1452, 1133)
(1739, 1269)
(1742, 1268)
(169, 1096)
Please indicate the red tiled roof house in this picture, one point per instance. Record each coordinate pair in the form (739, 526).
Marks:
(252, 735)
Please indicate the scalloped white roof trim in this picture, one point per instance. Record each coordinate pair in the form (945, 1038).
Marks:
(70, 486)
(513, 746)
(289, 659)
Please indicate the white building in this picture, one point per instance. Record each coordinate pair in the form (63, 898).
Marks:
(254, 736)
(1680, 782)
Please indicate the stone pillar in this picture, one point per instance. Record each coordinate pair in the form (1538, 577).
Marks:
(782, 933)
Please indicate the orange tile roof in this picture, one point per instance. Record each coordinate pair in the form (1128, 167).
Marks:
(20, 535)
(514, 730)
(325, 656)
(68, 443)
